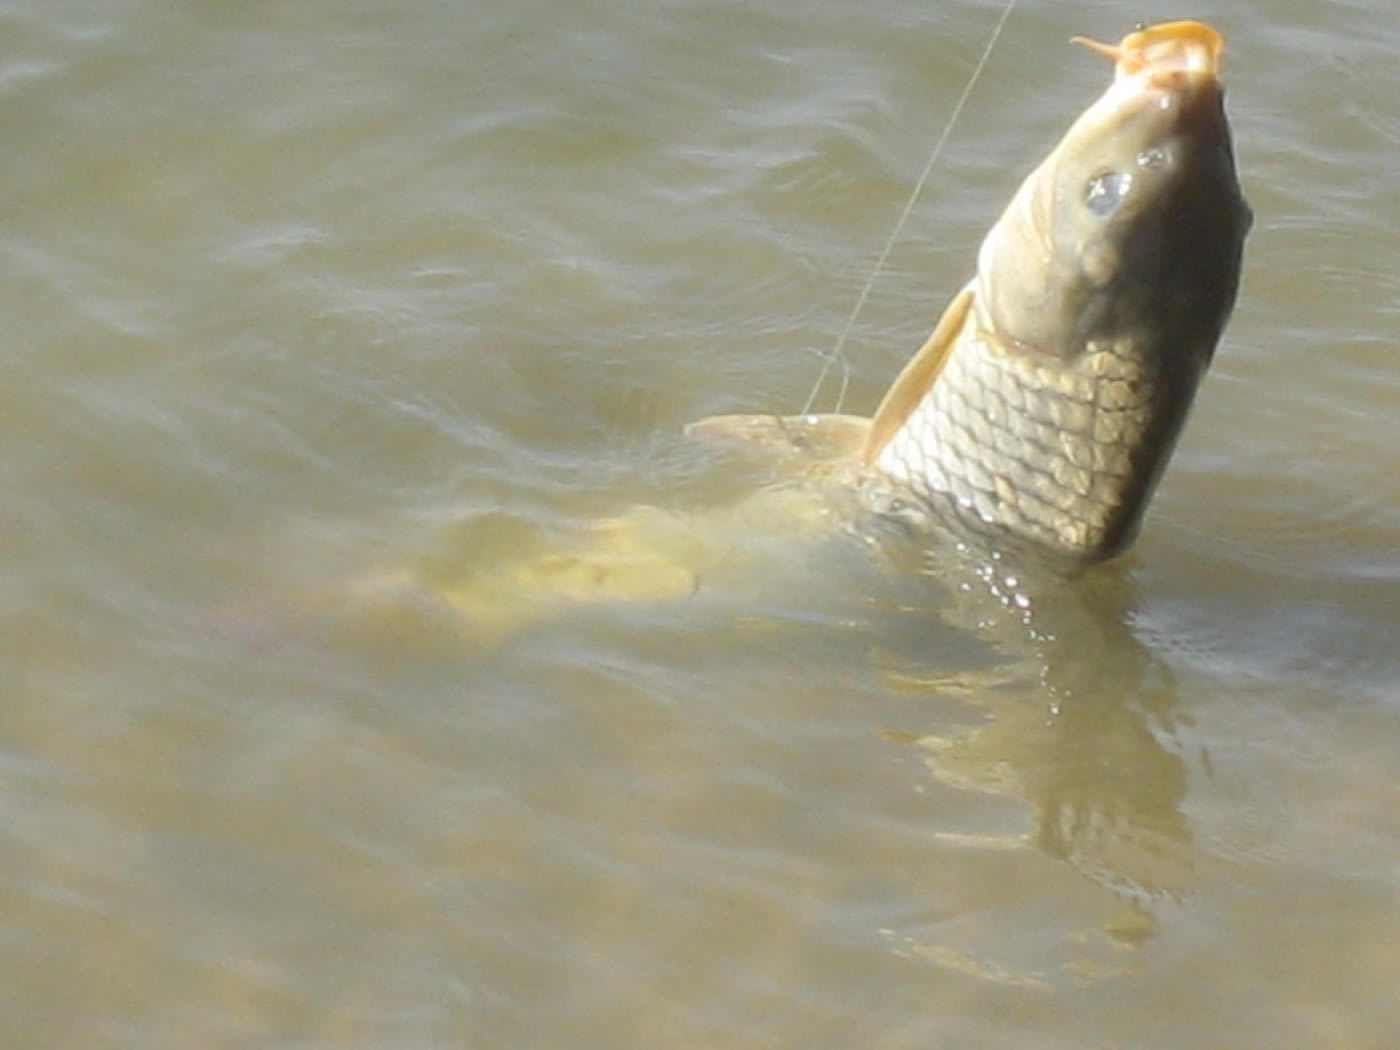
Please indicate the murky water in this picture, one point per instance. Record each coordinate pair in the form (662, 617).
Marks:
(296, 292)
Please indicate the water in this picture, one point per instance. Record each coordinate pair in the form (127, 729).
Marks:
(295, 292)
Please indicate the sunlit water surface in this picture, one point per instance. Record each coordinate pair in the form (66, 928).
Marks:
(298, 292)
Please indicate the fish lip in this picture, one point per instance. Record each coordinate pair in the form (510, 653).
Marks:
(1166, 48)
(1169, 64)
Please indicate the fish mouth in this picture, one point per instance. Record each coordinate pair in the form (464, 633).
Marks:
(1172, 69)
(1160, 54)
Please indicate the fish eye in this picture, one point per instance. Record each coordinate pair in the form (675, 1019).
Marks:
(1106, 191)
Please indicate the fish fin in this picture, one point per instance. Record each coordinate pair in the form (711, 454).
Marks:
(785, 443)
(917, 377)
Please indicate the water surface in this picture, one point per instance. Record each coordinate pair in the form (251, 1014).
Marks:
(297, 292)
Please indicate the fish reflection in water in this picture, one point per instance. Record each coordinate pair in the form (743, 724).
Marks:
(1077, 723)
(1024, 685)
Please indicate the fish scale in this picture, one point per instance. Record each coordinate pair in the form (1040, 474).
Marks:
(1049, 472)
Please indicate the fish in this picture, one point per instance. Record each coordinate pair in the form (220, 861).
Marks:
(1042, 410)
(1035, 421)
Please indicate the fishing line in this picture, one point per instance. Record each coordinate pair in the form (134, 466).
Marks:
(835, 354)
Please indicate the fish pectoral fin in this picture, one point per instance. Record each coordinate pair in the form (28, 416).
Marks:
(784, 442)
(914, 381)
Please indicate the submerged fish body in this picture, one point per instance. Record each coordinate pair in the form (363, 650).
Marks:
(1038, 416)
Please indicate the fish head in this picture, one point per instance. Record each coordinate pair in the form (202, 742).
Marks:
(1130, 234)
